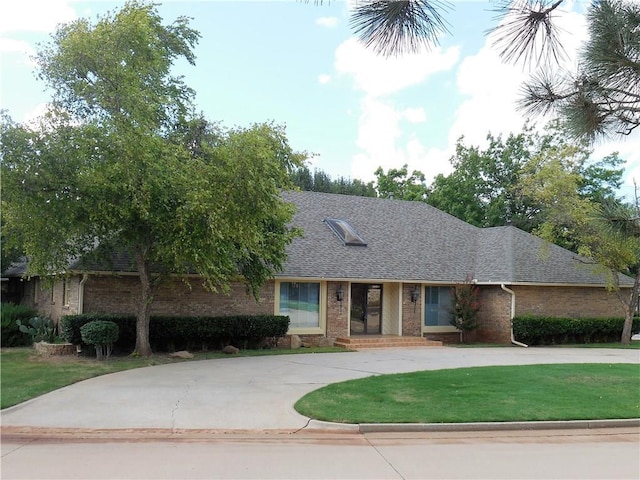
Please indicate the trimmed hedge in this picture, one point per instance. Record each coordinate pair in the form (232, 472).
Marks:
(179, 333)
(535, 330)
(10, 334)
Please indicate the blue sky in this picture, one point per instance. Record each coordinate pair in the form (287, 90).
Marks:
(298, 64)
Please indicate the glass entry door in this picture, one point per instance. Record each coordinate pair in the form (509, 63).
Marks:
(366, 309)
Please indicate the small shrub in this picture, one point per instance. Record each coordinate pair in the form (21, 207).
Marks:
(10, 334)
(39, 329)
(465, 306)
(102, 335)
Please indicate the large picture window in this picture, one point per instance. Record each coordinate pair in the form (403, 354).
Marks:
(301, 302)
(437, 311)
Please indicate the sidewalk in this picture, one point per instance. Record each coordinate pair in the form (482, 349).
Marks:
(253, 393)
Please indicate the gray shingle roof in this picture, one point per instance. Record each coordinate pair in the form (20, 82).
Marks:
(413, 241)
(406, 241)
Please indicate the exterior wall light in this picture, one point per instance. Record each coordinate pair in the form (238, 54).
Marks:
(415, 294)
(340, 293)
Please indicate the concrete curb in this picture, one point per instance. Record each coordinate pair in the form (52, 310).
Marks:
(470, 427)
(496, 426)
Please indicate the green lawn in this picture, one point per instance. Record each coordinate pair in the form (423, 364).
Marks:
(482, 394)
(25, 375)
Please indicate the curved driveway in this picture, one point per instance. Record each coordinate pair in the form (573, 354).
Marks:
(255, 393)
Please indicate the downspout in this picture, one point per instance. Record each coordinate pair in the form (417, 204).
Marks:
(85, 277)
(512, 314)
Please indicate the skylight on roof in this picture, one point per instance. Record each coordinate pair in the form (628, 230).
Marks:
(345, 232)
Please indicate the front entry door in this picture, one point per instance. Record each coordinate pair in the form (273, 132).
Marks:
(366, 309)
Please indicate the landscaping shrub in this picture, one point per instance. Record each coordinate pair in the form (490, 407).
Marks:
(537, 330)
(178, 333)
(102, 335)
(39, 329)
(10, 334)
(70, 326)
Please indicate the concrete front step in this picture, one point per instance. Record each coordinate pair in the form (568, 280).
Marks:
(384, 341)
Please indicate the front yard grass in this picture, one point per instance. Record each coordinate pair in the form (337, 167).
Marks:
(482, 394)
(25, 375)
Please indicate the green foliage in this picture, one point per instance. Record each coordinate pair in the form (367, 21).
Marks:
(101, 335)
(39, 329)
(99, 332)
(176, 333)
(535, 330)
(11, 336)
(121, 162)
(490, 187)
(320, 181)
(399, 184)
(602, 98)
(465, 306)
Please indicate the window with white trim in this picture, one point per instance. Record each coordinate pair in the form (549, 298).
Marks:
(301, 302)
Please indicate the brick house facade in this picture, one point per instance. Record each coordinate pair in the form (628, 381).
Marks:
(369, 266)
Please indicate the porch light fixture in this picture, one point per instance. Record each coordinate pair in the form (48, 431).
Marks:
(415, 294)
(340, 293)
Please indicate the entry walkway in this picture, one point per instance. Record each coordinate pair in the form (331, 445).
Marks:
(253, 393)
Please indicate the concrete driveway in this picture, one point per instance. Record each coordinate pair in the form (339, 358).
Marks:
(253, 393)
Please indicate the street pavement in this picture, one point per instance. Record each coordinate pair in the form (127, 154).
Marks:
(253, 393)
(583, 454)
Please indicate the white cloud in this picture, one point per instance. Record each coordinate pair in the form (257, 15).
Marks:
(9, 45)
(35, 15)
(376, 75)
(381, 143)
(328, 22)
(415, 115)
(380, 138)
(324, 78)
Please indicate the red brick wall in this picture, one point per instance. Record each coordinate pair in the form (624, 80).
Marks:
(337, 312)
(120, 294)
(568, 302)
(495, 310)
(47, 297)
(411, 312)
(494, 317)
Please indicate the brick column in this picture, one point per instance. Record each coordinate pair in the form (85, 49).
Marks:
(337, 312)
(411, 321)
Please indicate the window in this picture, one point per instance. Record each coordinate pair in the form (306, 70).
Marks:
(301, 302)
(65, 292)
(345, 232)
(437, 308)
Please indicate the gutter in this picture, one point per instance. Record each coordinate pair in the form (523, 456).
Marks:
(512, 314)
(85, 277)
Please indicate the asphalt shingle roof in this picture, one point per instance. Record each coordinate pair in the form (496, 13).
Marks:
(413, 241)
(406, 241)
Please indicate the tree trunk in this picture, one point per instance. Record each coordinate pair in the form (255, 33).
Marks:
(143, 347)
(630, 310)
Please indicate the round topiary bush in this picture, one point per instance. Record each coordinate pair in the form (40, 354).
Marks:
(102, 334)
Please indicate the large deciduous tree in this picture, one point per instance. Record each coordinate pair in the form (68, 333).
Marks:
(120, 162)
(484, 187)
(398, 183)
(604, 229)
